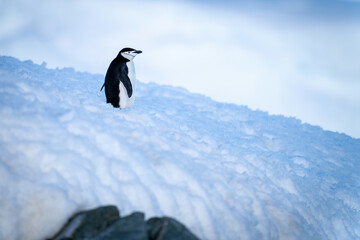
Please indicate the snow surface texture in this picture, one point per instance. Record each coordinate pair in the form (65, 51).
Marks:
(224, 170)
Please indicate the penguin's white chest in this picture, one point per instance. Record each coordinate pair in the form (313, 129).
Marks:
(125, 101)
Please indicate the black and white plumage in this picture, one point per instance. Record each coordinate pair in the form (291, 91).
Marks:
(120, 79)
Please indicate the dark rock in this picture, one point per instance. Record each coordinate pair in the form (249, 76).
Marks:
(167, 228)
(88, 224)
(132, 227)
(96, 221)
(104, 223)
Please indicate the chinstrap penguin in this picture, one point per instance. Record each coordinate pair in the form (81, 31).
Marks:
(120, 79)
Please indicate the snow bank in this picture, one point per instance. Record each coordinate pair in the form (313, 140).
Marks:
(225, 171)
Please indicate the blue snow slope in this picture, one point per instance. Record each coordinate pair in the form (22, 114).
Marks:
(225, 171)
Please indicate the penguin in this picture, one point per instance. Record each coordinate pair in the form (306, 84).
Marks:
(120, 79)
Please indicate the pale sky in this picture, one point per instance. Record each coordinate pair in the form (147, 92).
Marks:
(295, 59)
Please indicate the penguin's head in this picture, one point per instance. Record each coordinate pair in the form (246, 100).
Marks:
(129, 53)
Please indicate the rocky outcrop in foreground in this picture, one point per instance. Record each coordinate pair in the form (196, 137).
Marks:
(105, 223)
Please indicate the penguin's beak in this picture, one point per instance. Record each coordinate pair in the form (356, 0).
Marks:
(138, 51)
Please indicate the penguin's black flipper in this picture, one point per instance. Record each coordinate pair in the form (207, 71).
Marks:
(126, 80)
